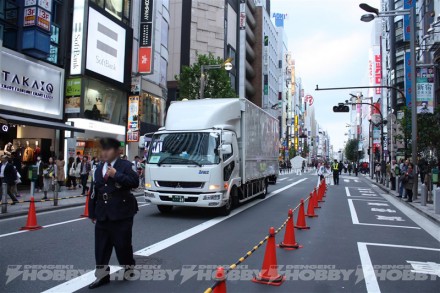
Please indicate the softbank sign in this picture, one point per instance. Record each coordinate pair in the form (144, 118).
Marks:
(105, 46)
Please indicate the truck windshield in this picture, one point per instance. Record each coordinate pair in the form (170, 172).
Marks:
(192, 148)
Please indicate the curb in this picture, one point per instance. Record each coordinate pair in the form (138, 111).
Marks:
(48, 209)
(420, 212)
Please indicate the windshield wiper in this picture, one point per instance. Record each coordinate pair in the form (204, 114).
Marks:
(177, 158)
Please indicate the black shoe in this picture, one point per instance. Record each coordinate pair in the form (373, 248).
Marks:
(399, 196)
(99, 282)
(14, 202)
(44, 198)
(409, 200)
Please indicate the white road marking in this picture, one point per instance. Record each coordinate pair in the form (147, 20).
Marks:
(54, 224)
(386, 218)
(368, 269)
(378, 204)
(383, 210)
(355, 219)
(65, 222)
(425, 267)
(79, 282)
(84, 280)
(367, 266)
(427, 225)
(347, 191)
(282, 179)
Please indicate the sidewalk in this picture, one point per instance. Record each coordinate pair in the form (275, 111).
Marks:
(66, 199)
(427, 211)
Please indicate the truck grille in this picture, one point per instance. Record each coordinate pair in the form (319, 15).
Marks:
(177, 184)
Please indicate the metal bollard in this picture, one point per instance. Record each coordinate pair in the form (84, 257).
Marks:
(436, 197)
(55, 194)
(423, 195)
(32, 188)
(4, 198)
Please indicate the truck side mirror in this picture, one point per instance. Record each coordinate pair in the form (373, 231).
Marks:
(226, 149)
(227, 137)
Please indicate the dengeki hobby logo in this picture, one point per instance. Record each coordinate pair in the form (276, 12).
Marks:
(197, 273)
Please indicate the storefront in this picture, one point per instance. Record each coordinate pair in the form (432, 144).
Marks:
(31, 108)
(99, 83)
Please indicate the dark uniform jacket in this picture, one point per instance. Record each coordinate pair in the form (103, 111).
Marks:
(10, 174)
(113, 199)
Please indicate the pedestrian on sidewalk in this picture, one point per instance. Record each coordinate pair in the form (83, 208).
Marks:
(409, 181)
(112, 208)
(71, 176)
(336, 167)
(49, 176)
(403, 169)
(8, 175)
(85, 168)
(393, 174)
(61, 174)
(39, 182)
(377, 169)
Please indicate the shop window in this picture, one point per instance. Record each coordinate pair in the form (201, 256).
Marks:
(104, 103)
(151, 109)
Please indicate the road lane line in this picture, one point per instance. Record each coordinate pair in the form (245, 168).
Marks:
(394, 226)
(65, 222)
(149, 250)
(354, 217)
(347, 191)
(52, 225)
(84, 280)
(368, 269)
(79, 282)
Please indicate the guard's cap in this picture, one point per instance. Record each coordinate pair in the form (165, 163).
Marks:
(109, 143)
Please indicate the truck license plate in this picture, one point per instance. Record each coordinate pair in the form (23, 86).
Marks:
(178, 198)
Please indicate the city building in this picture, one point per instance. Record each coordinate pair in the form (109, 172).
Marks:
(149, 92)
(34, 48)
(98, 76)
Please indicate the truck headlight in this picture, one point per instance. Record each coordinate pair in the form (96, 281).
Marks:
(214, 186)
(212, 197)
(147, 185)
(149, 194)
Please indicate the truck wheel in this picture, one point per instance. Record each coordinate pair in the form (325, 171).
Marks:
(164, 209)
(227, 208)
(265, 184)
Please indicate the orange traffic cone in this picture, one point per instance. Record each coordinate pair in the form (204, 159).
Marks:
(321, 191)
(269, 271)
(85, 214)
(315, 198)
(31, 223)
(289, 242)
(220, 276)
(301, 220)
(311, 206)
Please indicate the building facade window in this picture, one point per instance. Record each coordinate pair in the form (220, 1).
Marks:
(102, 102)
(150, 109)
(118, 8)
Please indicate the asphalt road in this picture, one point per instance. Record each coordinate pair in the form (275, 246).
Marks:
(359, 233)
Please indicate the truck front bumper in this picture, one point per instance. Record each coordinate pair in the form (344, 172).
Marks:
(205, 200)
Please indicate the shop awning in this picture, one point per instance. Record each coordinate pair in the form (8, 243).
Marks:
(39, 123)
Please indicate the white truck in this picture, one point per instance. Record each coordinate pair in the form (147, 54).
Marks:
(213, 153)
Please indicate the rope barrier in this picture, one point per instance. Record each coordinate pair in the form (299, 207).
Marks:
(250, 252)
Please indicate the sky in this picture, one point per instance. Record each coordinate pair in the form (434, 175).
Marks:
(330, 46)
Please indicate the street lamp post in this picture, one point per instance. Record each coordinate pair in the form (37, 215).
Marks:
(373, 13)
(227, 65)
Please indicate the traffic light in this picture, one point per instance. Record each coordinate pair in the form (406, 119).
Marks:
(340, 108)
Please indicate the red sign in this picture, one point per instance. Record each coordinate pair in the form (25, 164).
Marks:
(30, 14)
(144, 60)
(378, 72)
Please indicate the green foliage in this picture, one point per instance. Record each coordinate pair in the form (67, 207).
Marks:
(428, 131)
(292, 153)
(351, 150)
(217, 84)
(305, 150)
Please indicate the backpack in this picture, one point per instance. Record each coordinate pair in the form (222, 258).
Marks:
(397, 171)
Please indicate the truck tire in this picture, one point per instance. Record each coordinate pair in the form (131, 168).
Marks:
(165, 209)
(265, 185)
(232, 201)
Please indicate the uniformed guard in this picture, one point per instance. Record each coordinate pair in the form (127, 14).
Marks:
(112, 208)
(335, 169)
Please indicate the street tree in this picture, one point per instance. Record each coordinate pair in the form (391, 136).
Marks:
(217, 84)
(351, 150)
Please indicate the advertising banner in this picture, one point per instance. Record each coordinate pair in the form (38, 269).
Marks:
(407, 4)
(105, 46)
(77, 37)
(407, 68)
(425, 90)
(145, 61)
(133, 113)
(73, 95)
